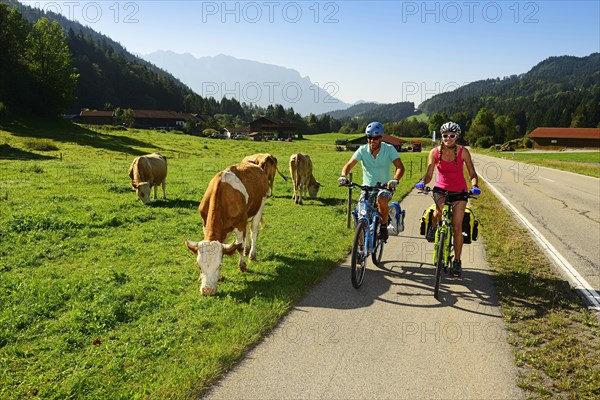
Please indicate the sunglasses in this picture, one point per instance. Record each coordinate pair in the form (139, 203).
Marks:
(451, 136)
(373, 137)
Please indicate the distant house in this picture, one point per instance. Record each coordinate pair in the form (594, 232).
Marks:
(161, 119)
(97, 117)
(561, 138)
(279, 128)
(393, 140)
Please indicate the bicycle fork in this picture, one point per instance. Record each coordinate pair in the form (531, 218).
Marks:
(447, 244)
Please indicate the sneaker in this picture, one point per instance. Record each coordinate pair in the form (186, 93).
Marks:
(456, 268)
(431, 234)
(383, 233)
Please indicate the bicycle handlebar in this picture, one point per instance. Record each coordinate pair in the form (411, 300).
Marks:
(428, 189)
(367, 187)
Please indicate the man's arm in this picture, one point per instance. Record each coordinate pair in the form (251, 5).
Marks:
(348, 167)
(399, 169)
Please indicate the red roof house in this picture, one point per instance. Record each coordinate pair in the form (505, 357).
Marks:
(562, 138)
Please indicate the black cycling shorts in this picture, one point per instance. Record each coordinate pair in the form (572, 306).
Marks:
(439, 193)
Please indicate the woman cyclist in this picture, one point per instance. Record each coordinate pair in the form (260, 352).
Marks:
(449, 159)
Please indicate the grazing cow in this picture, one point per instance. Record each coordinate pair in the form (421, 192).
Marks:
(302, 177)
(148, 171)
(268, 163)
(234, 199)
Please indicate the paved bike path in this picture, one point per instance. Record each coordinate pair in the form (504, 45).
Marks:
(389, 339)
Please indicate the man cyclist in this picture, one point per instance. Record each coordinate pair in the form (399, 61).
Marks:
(377, 159)
(450, 159)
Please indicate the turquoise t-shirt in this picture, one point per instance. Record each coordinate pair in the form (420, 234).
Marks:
(376, 169)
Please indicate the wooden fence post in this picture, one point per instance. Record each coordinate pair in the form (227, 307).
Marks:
(349, 209)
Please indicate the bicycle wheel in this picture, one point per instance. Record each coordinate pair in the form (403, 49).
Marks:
(359, 260)
(377, 247)
(440, 262)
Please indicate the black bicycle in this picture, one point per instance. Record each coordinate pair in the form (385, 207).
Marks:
(366, 226)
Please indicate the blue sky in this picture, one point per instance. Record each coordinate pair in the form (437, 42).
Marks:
(385, 51)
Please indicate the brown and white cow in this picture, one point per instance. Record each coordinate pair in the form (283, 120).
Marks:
(146, 172)
(268, 163)
(235, 198)
(302, 177)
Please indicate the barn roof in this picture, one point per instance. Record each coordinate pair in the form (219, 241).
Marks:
(566, 133)
(94, 113)
(162, 114)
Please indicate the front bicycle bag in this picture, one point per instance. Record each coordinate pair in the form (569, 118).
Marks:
(396, 219)
(470, 226)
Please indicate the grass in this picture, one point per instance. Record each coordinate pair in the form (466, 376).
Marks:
(556, 340)
(586, 163)
(99, 298)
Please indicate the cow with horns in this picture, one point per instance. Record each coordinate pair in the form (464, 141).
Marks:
(234, 200)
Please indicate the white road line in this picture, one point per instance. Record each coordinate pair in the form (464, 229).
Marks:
(576, 280)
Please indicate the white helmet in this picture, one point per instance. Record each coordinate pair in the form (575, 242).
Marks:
(450, 127)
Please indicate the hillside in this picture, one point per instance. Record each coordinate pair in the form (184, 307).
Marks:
(110, 76)
(376, 112)
(559, 91)
(353, 111)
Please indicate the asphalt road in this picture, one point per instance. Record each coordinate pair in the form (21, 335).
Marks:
(391, 339)
(564, 207)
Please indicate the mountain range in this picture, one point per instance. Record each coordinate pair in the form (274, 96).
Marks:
(247, 81)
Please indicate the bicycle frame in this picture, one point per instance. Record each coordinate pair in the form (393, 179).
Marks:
(366, 224)
(445, 228)
(366, 210)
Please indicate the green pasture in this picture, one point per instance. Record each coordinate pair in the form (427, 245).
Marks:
(581, 162)
(99, 298)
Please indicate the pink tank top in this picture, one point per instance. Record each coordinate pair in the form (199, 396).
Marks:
(450, 175)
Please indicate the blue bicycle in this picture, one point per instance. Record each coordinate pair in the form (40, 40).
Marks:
(366, 227)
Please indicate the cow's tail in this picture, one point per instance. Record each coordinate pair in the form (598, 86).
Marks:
(282, 175)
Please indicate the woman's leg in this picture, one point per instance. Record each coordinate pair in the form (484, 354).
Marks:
(439, 199)
(458, 212)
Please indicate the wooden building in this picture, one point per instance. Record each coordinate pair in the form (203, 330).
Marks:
(96, 117)
(562, 138)
(161, 119)
(279, 128)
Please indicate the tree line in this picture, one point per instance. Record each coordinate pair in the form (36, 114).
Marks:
(35, 65)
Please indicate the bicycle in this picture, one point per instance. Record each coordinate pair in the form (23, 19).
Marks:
(366, 226)
(443, 245)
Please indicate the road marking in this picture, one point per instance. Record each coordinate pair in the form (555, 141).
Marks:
(577, 281)
(549, 180)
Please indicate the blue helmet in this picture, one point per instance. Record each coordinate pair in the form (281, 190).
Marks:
(374, 129)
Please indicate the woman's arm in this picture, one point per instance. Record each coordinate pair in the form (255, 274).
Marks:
(430, 167)
(470, 167)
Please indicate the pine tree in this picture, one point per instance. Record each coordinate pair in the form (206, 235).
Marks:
(49, 61)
